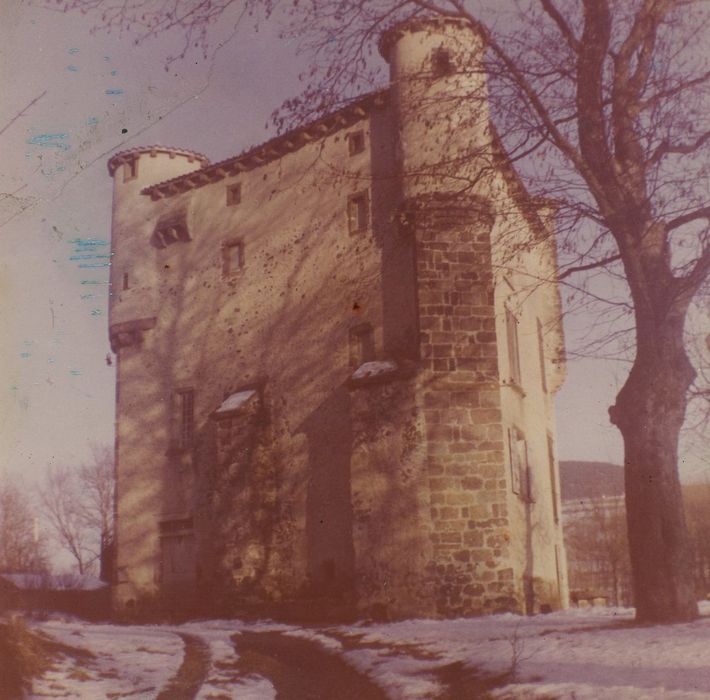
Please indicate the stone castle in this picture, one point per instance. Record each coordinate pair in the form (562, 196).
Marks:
(336, 360)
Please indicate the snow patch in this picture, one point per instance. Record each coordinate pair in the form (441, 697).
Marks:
(374, 369)
(236, 401)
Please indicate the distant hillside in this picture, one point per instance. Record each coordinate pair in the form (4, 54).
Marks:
(590, 480)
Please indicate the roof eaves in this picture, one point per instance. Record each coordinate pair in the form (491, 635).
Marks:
(124, 156)
(271, 150)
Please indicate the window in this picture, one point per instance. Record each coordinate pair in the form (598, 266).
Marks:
(234, 194)
(357, 212)
(541, 353)
(362, 344)
(125, 281)
(177, 556)
(519, 467)
(171, 227)
(441, 63)
(170, 234)
(553, 477)
(183, 418)
(511, 326)
(356, 142)
(130, 169)
(232, 257)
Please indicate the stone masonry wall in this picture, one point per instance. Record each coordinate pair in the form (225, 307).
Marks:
(390, 499)
(459, 385)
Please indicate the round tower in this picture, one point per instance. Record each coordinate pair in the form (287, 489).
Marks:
(134, 301)
(440, 99)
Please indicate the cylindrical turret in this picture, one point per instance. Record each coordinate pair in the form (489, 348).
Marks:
(440, 97)
(133, 284)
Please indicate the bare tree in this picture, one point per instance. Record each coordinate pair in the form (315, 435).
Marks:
(78, 505)
(60, 497)
(604, 105)
(21, 544)
(98, 485)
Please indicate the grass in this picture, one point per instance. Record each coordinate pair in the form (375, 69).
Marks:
(24, 655)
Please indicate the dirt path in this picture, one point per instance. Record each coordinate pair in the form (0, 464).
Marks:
(300, 669)
(192, 672)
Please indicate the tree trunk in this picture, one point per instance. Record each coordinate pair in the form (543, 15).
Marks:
(649, 412)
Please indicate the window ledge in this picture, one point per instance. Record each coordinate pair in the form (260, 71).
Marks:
(515, 386)
(380, 372)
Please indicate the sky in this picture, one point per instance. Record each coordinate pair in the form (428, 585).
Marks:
(72, 98)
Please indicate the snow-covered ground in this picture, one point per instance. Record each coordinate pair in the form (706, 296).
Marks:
(586, 654)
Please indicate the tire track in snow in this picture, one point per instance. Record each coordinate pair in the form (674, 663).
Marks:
(186, 683)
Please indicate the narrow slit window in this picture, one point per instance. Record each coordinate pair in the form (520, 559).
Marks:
(184, 418)
(126, 282)
(511, 325)
(358, 212)
(232, 257)
(130, 169)
(519, 466)
(541, 353)
(234, 194)
(356, 142)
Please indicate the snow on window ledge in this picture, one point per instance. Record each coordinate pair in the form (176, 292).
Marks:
(235, 401)
(378, 368)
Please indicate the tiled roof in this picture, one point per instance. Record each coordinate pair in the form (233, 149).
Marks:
(271, 150)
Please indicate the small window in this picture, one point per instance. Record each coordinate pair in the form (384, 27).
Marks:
(541, 353)
(362, 344)
(441, 63)
(519, 466)
(125, 281)
(234, 194)
(511, 326)
(232, 257)
(130, 169)
(183, 418)
(356, 142)
(357, 212)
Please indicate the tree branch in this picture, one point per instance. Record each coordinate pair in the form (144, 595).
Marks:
(589, 266)
(561, 23)
(665, 148)
(702, 213)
